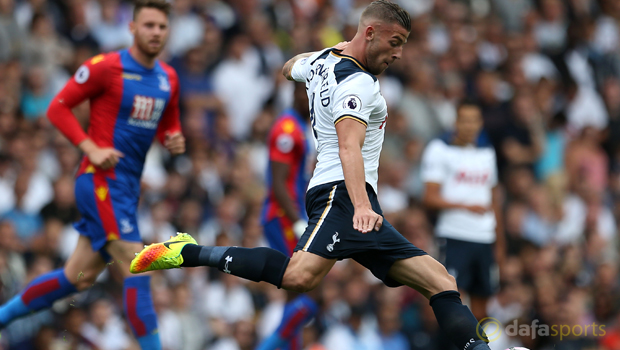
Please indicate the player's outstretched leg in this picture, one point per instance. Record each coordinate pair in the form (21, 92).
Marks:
(297, 313)
(255, 264)
(137, 298)
(430, 278)
(79, 273)
(39, 294)
(140, 312)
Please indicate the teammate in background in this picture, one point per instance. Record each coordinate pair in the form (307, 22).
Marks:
(284, 214)
(348, 116)
(133, 98)
(461, 182)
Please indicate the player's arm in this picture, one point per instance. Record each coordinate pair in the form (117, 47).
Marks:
(288, 72)
(89, 81)
(433, 200)
(353, 103)
(282, 153)
(169, 129)
(279, 174)
(434, 173)
(500, 239)
(351, 135)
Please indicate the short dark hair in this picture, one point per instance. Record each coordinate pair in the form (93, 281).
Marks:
(389, 12)
(162, 5)
(467, 102)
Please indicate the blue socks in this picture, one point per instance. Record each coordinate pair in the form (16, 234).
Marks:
(297, 313)
(39, 294)
(140, 313)
(43, 291)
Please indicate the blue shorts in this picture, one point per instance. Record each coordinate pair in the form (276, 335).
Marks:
(108, 208)
(472, 264)
(280, 235)
(330, 232)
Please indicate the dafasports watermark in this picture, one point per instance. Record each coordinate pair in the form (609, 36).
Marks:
(493, 330)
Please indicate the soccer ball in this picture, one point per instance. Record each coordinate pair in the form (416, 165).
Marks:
(517, 348)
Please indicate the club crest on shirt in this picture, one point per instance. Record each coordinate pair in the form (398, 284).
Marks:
(126, 226)
(163, 83)
(352, 102)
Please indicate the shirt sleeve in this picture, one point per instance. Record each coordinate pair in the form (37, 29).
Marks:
(89, 81)
(433, 167)
(170, 122)
(354, 98)
(283, 142)
(301, 68)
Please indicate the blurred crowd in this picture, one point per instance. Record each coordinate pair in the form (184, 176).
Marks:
(546, 74)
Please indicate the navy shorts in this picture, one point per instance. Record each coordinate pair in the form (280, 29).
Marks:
(472, 264)
(330, 232)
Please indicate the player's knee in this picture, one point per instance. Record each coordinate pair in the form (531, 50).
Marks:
(84, 279)
(301, 282)
(446, 282)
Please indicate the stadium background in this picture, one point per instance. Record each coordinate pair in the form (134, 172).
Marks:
(545, 72)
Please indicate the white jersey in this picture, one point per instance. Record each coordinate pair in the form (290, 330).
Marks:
(338, 88)
(467, 176)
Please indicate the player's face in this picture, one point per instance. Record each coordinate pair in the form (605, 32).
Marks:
(385, 46)
(468, 123)
(150, 31)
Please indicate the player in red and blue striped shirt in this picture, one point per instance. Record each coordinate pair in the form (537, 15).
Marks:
(133, 99)
(284, 214)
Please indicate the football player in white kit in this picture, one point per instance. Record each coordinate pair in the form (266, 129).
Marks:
(460, 176)
(348, 116)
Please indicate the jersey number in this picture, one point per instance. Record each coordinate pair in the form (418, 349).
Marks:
(312, 118)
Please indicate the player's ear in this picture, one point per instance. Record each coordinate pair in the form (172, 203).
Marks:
(132, 27)
(370, 33)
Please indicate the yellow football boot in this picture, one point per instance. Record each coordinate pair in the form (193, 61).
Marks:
(161, 256)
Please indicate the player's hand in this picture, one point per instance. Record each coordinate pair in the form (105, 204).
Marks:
(175, 143)
(299, 227)
(366, 220)
(341, 45)
(478, 209)
(104, 158)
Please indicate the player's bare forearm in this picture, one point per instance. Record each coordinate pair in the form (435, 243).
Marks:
(351, 136)
(433, 200)
(279, 173)
(288, 66)
(102, 157)
(354, 176)
(87, 146)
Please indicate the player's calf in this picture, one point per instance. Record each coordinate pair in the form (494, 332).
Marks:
(254, 264)
(430, 278)
(305, 271)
